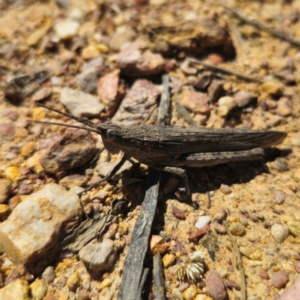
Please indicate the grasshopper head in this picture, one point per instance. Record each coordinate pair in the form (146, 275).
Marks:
(109, 133)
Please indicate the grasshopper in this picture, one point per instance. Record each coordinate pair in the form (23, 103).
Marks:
(172, 149)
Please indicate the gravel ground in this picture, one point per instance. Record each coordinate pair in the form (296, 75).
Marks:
(104, 61)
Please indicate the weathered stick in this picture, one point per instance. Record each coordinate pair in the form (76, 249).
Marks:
(277, 33)
(134, 275)
(158, 279)
(225, 71)
(133, 270)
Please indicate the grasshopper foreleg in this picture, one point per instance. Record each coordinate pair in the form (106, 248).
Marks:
(109, 175)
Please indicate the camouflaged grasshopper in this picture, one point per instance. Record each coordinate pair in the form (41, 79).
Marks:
(172, 148)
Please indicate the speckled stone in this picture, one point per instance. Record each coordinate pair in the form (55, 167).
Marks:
(220, 229)
(5, 187)
(73, 282)
(98, 257)
(215, 286)
(48, 275)
(54, 206)
(80, 104)
(4, 211)
(168, 259)
(28, 148)
(225, 189)
(279, 196)
(190, 293)
(237, 229)
(38, 289)
(220, 216)
(12, 173)
(73, 149)
(279, 279)
(243, 98)
(256, 255)
(66, 29)
(202, 222)
(16, 290)
(279, 232)
(294, 227)
(226, 104)
(270, 88)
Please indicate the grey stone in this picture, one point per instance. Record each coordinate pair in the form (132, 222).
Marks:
(80, 104)
(98, 257)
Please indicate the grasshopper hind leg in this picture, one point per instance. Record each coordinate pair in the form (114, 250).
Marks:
(182, 194)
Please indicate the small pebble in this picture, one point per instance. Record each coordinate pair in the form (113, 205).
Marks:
(215, 286)
(168, 259)
(220, 216)
(297, 266)
(216, 90)
(194, 236)
(280, 164)
(49, 275)
(195, 101)
(225, 189)
(73, 282)
(279, 280)
(83, 294)
(294, 227)
(202, 222)
(232, 285)
(4, 211)
(237, 229)
(226, 104)
(73, 181)
(7, 131)
(284, 107)
(5, 188)
(264, 274)
(66, 29)
(12, 173)
(279, 196)
(38, 289)
(220, 229)
(155, 240)
(25, 189)
(88, 80)
(90, 51)
(28, 148)
(17, 290)
(256, 255)
(80, 104)
(270, 88)
(203, 297)
(190, 293)
(178, 213)
(42, 94)
(295, 140)
(98, 257)
(279, 232)
(243, 98)
(244, 220)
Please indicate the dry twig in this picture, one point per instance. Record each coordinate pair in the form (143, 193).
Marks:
(239, 264)
(158, 280)
(135, 275)
(277, 33)
(185, 114)
(221, 70)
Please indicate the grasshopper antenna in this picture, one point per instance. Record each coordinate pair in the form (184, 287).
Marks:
(80, 120)
(65, 125)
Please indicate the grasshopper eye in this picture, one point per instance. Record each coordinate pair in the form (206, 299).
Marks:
(110, 134)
